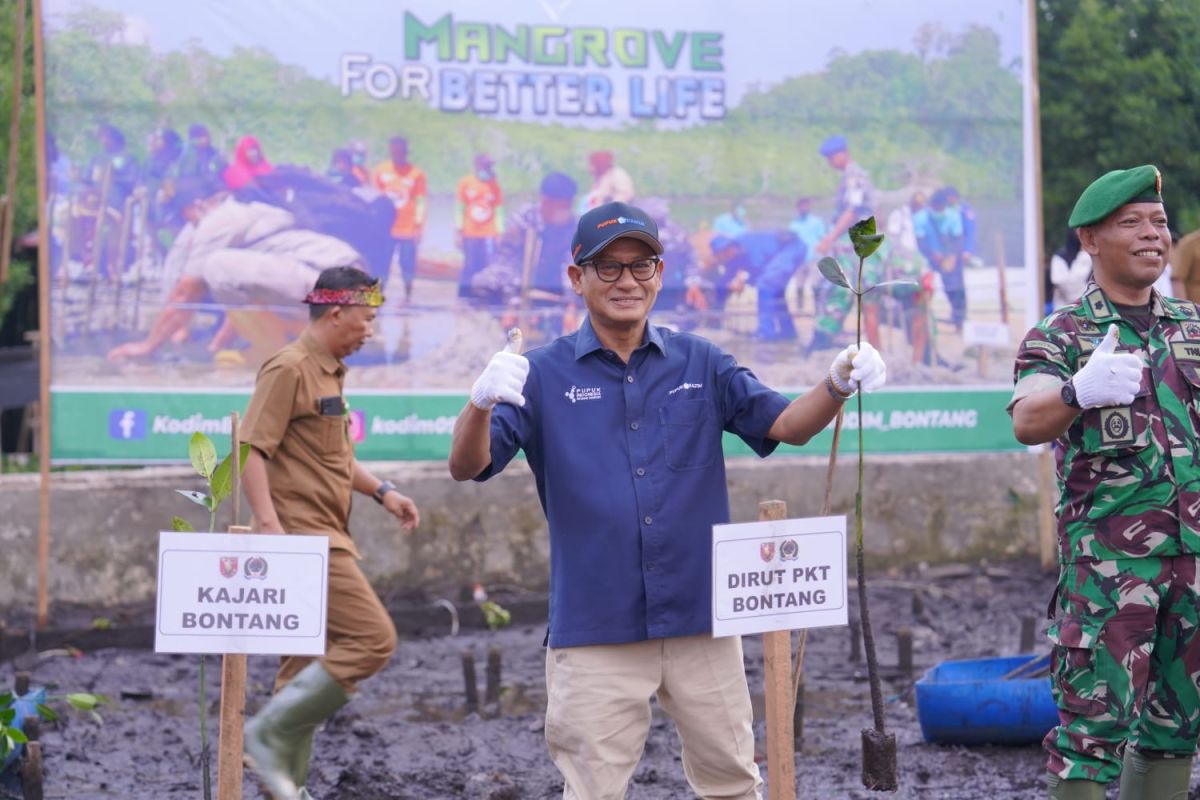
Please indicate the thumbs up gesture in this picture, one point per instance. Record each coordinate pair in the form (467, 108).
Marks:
(503, 379)
(1109, 378)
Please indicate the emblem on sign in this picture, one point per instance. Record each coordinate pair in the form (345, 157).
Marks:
(256, 568)
(789, 550)
(766, 551)
(229, 565)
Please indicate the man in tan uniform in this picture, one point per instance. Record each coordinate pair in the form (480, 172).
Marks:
(299, 479)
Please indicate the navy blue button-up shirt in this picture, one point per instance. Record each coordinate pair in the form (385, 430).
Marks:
(631, 475)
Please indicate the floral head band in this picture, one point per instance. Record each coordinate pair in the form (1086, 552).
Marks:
(362, 296)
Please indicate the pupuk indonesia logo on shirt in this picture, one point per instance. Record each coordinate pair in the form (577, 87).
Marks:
(579, 393)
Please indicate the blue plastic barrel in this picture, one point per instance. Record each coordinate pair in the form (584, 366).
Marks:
(966, 702)
(25, 707)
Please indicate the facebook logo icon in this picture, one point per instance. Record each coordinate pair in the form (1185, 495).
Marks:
(127, 423)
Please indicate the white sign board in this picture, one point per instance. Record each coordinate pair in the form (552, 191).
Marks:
(989, 334)
(779, 575)
(241, 593)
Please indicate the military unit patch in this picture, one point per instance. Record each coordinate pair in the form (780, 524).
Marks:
(1116, 427)
(1191, 330)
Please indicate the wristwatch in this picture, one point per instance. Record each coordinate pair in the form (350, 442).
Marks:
(384, 488)
(1068, 394)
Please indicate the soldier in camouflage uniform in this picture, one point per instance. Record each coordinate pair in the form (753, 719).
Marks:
(1115, 379)
(855, 200)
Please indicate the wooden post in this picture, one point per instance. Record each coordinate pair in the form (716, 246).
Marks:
(14, 139)
(470, 686)
(492, 691)
(233, 670)
(1047, 530)
(44, 337)
(777, 655)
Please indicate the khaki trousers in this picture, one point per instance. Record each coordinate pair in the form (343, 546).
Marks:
(598, 714)
(360, 637)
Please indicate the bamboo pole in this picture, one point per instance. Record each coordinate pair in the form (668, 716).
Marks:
(777, 657)
(14, 138)
(44, 338)
(233, 666)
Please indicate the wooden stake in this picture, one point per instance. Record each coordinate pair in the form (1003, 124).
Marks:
(233, 671)
(777, 655)
(1047, 529)
(492, 691)
(14, 139)
(44, 338)
(470, 687)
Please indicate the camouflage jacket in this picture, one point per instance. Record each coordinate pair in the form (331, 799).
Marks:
(1129, 479)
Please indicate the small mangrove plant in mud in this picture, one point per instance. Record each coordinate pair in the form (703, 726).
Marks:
(879, 746)
(220, 478)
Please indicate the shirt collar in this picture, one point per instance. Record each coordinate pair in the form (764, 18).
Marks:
(324, 358)
(587, 342)
(1099, 308)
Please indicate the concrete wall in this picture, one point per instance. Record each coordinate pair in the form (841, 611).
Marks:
(103, 547)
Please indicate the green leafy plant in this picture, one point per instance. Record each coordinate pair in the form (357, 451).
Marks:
(494, 614)
(219, 476)
(879, 748)
(11, 735)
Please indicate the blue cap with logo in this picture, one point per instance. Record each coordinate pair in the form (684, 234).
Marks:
(604, 224)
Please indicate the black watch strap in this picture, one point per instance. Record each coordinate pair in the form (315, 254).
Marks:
(384, 488)
(1068, 394)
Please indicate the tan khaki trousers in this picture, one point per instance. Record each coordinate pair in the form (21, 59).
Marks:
(359, 634)
(598, 714)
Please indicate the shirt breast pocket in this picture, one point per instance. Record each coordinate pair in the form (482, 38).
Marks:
(691, 434)
(1116, 431)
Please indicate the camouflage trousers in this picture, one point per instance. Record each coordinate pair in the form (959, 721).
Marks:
(1126, 663)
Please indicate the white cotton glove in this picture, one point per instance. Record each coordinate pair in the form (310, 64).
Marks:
(1108, 378)
(503, 378)
(858, 368)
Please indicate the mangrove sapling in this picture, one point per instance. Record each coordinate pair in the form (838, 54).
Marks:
(203, 456)
(12, 734)
(879, 746)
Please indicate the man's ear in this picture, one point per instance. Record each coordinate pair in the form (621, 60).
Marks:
(1087, 240)
(575, 273)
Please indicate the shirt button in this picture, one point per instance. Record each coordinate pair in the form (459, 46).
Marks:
(641, 471)
(629, 378)
(633, 425)
(648, 520)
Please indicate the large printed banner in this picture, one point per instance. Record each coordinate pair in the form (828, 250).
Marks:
(206, 161)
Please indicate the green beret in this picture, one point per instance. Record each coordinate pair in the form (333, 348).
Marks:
(1114, 189)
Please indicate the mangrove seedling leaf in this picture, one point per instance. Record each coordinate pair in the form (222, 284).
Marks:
(864, 238)
(47, 713)
(17, 735)
(86, 701)
(832, 271)
(181, 525)
(496, 615)
(222, 477)
(203, 454)
(881, 284)
(199, 498)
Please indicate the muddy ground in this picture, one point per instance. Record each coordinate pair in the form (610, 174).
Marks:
(408, 735)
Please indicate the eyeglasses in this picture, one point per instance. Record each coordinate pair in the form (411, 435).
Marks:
(610, 271)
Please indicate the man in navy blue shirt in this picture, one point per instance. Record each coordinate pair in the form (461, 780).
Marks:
(621, 424)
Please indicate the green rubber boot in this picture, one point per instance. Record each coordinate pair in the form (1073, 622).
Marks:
(1074, 789)
(280, 729)
(303, 754)
(1160, 776)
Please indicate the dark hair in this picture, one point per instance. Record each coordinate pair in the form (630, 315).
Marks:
(339, 278)
(197, 129)
(398, 140)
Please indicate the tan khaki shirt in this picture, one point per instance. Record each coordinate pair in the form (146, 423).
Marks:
(309, 457)
(1185, 265)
